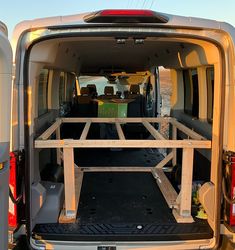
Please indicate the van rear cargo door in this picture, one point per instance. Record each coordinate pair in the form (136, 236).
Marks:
(5, 114)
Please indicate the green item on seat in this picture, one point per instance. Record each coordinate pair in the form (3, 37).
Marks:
(112, 109)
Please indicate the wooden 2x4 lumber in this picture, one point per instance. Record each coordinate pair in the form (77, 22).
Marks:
(162, 163)
(119, 131)
(69, 143)
(184, 200)
(117, 169)
(174, 137)
(153, 131)
(58, 150)
(50, 130)
(69, 183)
(85, 130)
(166, 188)
(114, 120)
(187, 130)
(186, 182)
(174, 122)
(78, 184)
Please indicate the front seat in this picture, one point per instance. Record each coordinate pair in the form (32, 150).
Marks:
(136, 107)
(108, 93)
(83, 103)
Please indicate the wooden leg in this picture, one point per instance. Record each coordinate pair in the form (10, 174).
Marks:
(183, 213)
(58, 150)
(174, 137)
(69, 183)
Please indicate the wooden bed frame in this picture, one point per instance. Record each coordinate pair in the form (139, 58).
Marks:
(180, 203)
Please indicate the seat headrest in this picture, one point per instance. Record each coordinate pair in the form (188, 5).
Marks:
(84, 91)
(92, 88)
(119, 94)
(135, 89)
(108, 90)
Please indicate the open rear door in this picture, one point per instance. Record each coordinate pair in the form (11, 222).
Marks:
(5, 114)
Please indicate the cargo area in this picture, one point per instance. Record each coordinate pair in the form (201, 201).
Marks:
(106, 161)
(124, 207)
(120, 188)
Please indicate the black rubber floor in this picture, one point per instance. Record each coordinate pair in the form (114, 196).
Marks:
(122, 198)
(121, 207)
(117, 157)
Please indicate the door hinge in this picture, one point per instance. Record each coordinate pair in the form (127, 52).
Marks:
(20, 176)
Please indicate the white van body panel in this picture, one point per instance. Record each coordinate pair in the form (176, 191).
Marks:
(221, 34)
(5, 86)
(174, 245)
(229, 119)
(5, 115)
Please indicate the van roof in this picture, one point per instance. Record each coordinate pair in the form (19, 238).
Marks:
(78, 19)
(173, 20)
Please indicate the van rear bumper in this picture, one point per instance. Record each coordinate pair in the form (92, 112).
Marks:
(71, 245)
(120, 232)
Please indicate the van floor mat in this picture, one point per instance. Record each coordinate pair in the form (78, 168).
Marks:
(123, 207)
(117, 157)
(117, 197)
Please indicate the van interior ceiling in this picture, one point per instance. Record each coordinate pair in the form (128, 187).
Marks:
(105, 162)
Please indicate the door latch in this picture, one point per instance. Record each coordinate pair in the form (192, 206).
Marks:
(106, 248)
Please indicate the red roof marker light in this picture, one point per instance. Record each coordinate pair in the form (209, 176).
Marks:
(125, 16)
(127, 13)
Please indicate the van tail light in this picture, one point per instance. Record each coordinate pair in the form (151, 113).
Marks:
(12, 213)
(228, 187)
(125, 16)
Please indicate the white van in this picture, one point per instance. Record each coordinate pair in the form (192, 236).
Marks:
(94, 165)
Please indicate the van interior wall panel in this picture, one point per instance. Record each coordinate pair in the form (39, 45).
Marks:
(50, 51)
(67, 58)
(202, 127)
(43, 122)
(55, 89)
(82, 55)
(34, 69)
(42, 158)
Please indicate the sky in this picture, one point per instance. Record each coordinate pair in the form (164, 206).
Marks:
(14, 11)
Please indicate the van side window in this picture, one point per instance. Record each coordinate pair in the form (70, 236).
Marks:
(42, 92)
(210, 93)
(191, 95)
